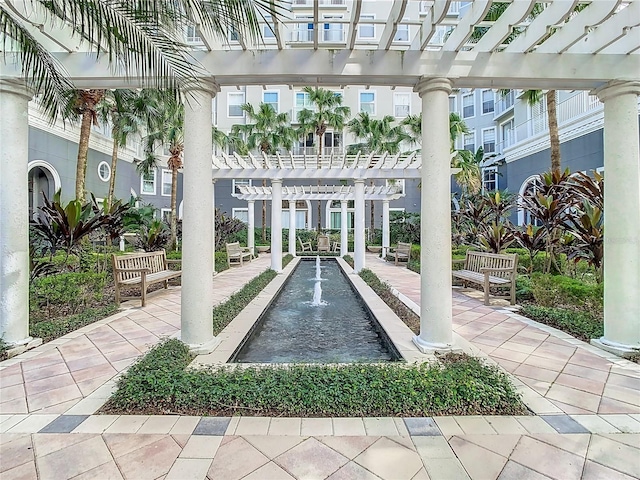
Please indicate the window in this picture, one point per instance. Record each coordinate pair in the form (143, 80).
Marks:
(453, 104)
(332, 32)
(104, 171)
(401, 104)
(402, 33)
(489, 140)
(192, 34)
(488, 100)
(235, 100)
(366, 30)
(304, 31)
(165, 215)
(166, 183)
(399, 183)
(240, 182)
(469, 142)
(508, 134)
(267, 29)
(468, 107)
(273, 99)
(148, 183)
(489, 179)
(529, 188)
(234, 36)
(302, 101)
(368, 102)
(241, 214)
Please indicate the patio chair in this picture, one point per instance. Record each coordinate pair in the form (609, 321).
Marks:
(304, 246)
(323, 243)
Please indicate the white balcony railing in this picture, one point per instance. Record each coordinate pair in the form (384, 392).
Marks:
(567, 110)
(504, 102)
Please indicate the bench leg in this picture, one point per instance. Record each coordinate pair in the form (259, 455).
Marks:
(143, 288)
(486, 290)
(117, 295)
(513, 293)
(166, 284)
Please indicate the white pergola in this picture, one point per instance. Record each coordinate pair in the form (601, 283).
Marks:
(330, 193)
(596, 49)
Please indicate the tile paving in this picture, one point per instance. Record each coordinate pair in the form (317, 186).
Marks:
(593, 431)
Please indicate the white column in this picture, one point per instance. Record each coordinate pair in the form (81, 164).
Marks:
(344, 229)
(14, 212)
(358, 255)
(292, 227)
(621, 218)
(213, 220)
(385, 228)
(252, 226)
(435, 208)
(276, 225)
(197, 223)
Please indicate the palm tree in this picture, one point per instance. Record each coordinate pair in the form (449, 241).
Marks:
(268, 132)
(84, 103)
(413, 128)
(379, 136)
(145, 38)
(126, 111)
(468, 178)
(328, 112)
(166, 129)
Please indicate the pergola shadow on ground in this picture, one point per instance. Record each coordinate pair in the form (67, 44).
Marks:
(596, 48)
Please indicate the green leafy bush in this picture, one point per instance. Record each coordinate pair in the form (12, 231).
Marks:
(558, 290)
(159, 383)
(523, 288)
(71, 290)
(349, 260)
(51, 329)
(582, 325)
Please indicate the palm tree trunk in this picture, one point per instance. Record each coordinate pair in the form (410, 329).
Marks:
(554, 136)
(174, 216)
(112, 180)
(321, 137)
(83, 149)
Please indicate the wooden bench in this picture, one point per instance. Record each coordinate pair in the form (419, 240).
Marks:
(402, 252)
(142, 269)
(236, 253)
(323, 243)
(305, 246)
(489, 269)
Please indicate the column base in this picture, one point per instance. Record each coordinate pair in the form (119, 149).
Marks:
(204, 348)
(432, 347)
(622, 350)
(21, 346)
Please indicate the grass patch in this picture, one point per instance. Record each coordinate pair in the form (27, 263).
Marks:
(579, 324)
(394, 303)
(51, 329)
(159, 383)
(227, 311)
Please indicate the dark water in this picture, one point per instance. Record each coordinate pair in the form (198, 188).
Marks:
(294, 330)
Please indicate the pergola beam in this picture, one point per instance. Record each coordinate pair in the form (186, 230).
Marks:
(503, 26)
(389, 32)
(465, 27)
(355, 19)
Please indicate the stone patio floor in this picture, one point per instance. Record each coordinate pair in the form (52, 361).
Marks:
(587, 404)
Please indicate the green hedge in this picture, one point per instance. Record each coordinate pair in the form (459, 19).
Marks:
(71, 291)
(220, 259)
(558, 290)
(582, 325)
(460, 385)
(51, 329)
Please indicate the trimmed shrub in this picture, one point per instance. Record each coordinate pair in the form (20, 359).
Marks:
(70, 290)
(558, 290)
(582, 325)
(459, 384)
(51, 329)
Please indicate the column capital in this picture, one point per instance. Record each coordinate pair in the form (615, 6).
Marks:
(15, 85)
(205, 85)
(251, 202)
(276, 180)
(343, 202)
(292, 203)
(385, 202)
(426, 85)
(358, 180)
(615, 88)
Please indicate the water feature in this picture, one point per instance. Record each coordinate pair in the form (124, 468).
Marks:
(306, 323)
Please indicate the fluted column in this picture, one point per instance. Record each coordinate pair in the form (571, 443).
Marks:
(252, 225)
(14, 212)
(197, 223)
(276, 225)
(621, 218)
(385, 228)
(292, 227)
(435, 208)
(358, 254)
(344, 229)
(213, 226)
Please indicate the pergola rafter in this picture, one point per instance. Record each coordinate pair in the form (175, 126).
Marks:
(319, 192)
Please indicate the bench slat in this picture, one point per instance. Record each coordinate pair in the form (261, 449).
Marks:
(474, 264)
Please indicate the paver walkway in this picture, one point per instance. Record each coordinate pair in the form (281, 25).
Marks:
(48, 396)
